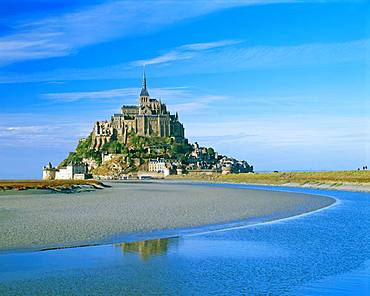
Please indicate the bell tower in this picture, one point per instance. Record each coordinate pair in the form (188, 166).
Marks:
(144, 94)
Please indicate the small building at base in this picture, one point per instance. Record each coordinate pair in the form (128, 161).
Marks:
(49, 172)
(160, 166)
(73, 171)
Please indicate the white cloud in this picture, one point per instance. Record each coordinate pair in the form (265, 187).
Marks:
(46, 135)
(122, 93)
(209, 45)
(290, 131)
(165, 58)
(181, 99)
(215, 57)
(185, 52)
(42, 130)
(92, 95)
(289, 142)
(195, 103)
(235, 56)
(61, 35)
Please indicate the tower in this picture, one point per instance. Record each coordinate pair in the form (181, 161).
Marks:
(48, 172)
(144, 94)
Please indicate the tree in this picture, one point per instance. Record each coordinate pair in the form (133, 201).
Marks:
(211, 152)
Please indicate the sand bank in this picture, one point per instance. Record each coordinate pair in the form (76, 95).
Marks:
(37, 221)
(65, 186)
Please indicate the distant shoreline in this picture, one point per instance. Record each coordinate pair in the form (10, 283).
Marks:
(333, 180)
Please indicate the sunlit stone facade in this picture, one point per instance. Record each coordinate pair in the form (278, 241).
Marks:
(149, 119)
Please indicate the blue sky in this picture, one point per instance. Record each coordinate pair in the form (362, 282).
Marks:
(283, 84)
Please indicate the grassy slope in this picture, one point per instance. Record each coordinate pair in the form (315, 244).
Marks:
(329, 178)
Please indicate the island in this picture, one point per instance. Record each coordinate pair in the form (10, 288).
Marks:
(141, 141)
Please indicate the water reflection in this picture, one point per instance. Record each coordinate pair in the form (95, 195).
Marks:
(326, 253)
(149, 248)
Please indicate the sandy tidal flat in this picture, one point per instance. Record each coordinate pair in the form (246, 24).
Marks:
(44, 220)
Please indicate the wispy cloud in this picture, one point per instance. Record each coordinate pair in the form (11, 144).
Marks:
(91, 95)
(42, 135)
(195, 103)
(185, 52)
(208, 45)
(121, 93)
(64, 34)
(290, 131)
(227, 56)
(289, 143)
(182, 99)
(215, 57)
(55, 130)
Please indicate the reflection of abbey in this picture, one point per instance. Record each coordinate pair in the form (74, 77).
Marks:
(148, 248)
(149, 118)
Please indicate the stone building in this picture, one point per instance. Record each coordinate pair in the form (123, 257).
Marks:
(233, 166)
(73, 171)
(149, 119)
(202, 153)
(48, 172)
(159, 166)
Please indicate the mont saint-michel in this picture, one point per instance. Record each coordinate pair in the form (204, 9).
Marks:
(145, 141)
(144, 119)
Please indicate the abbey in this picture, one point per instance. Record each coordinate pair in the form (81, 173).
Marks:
(149, 119)
(143, 140)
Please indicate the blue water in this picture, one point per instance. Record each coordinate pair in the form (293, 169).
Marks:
(323, 253)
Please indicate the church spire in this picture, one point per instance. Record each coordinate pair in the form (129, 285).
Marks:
(144, 78)
(144, 91)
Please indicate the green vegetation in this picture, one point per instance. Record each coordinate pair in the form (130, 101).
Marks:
(140, 148)
(83, 150)
(114, 147)
(211, 152)
(153, 147)
(333, 178)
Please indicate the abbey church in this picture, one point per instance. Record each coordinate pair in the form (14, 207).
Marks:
(150, 119)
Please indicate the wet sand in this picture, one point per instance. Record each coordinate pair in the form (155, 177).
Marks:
(48, 220)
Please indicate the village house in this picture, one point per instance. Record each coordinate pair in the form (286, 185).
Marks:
(159, 166)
